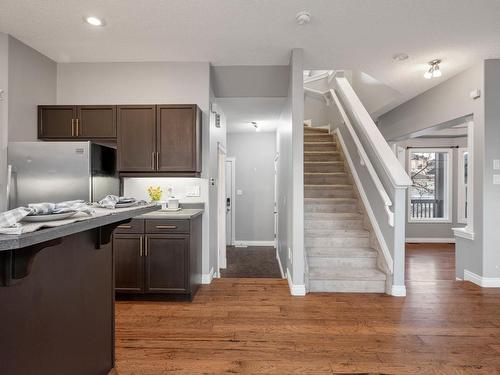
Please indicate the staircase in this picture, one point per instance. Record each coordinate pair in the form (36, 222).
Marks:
(340, 257)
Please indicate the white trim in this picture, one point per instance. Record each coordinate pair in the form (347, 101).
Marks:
(393, 169)
(283, 276)
(221, 147)
(398, 291)
(318, 77)
(295, 289)
(207, 278)
(365, 160)
(232, 159)
(253, 243)
(485, 282)
(448, 187)
(373, 220)
(463, 233)
(461, 196)
(221, 208)
(430, 240)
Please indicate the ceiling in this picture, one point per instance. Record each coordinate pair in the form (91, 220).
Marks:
(343, 34)
(240, 112)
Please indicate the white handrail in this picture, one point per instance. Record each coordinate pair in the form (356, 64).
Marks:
(365, 160)
(393, 168)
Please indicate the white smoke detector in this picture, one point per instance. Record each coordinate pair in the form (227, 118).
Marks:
(303, 18)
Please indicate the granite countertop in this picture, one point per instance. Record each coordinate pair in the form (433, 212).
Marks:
(12, 242)
(185, 213)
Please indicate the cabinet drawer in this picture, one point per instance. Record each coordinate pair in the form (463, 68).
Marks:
(135, 226)
(167, 226)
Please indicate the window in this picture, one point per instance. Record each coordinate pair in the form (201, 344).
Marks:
(430, 195)
(463, 167)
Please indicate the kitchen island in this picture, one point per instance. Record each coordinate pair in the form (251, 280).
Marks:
(57, 298)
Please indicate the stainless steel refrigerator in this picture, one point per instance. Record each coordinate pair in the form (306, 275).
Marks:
(60, 171)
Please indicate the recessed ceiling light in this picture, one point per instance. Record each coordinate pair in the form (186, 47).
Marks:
(94, 21)
(254, 124)
(303, 18)
(400, 56)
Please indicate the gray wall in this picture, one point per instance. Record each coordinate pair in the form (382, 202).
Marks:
(250, 81)
(316, 110)
(445, 102)
(4, 79)
(254, 160)
(437, 230)
(290, 146)
(32, 81)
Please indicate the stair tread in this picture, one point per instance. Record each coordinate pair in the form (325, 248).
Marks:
(346, 273)
(337, 162)
(330, 200)
(341, 252)
(341, 233)
(320, 152)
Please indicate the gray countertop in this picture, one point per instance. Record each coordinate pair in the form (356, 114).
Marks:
(185, 213)
(12, 242)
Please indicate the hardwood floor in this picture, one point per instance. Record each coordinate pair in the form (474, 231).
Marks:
(253, 326)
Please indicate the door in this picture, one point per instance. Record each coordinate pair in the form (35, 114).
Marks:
(230, 165)
(98, 121)
(129, 266)
(136, 138)
(176, 138)
(167, 266)
(56, 121)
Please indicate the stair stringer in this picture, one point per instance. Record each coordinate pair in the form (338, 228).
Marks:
(377, 241)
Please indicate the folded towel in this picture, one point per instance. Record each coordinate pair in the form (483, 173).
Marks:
(11, 218)
(110, 201)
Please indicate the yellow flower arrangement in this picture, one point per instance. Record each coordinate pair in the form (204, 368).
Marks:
(155, 193)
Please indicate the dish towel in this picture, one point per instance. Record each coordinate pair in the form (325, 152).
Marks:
(11, 218)
(110, 201)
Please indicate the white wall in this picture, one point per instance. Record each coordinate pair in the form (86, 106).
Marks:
(32, 81)
(254, 175)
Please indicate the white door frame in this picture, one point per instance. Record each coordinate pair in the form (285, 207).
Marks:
(232, 160)
(276, 211)
(221, 208)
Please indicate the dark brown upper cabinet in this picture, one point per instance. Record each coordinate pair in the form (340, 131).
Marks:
(136, 142)
(160, 139)
(80, 122)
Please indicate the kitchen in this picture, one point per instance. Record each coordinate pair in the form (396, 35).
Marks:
(138, 113)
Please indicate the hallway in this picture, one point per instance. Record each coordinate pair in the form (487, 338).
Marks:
(254, 326)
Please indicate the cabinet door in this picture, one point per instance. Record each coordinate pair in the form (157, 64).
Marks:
(129, 265)
(56, 121)
(97, 121)
(167, 263)
(136, 138)
(177, 138)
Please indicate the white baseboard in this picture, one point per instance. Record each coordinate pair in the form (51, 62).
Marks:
(430, 240)
(295, 289)
(485, 282)
(253, 243)
(283, 276)
(207, 278)
(398, 291)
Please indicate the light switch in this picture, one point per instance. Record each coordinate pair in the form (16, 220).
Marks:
(496, 179)
(239, 192)
(496, 164)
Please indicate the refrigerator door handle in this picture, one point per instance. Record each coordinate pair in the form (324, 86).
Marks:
(9, 182)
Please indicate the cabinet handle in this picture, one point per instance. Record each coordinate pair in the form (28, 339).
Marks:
(77, 127)
(166, 227)
(123, 226)
(157, 160)
(146, 252)
(72, 127)
(141, 249)
(153, 161)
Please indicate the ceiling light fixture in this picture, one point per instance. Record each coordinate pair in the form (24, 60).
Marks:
(254, 124)
(94, 21)
(303, 18)
(400, 56)
(434, 70)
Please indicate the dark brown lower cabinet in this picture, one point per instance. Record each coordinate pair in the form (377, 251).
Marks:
(157, 258)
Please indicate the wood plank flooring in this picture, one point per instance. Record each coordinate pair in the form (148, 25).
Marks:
(253, 326)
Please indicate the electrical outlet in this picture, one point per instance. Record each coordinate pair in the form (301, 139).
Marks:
(193, 191)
